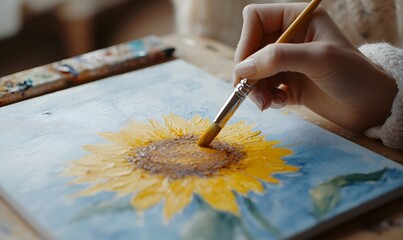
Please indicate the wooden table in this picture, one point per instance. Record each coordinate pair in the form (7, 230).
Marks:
(385, 222)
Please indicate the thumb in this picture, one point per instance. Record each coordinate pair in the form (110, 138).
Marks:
(308, 58)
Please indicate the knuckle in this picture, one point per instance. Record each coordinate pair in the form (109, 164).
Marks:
(327, 50)
(243, 42)
(320, 11)
(268, 59)
(248, 10)
(242, 49)
(274, 55)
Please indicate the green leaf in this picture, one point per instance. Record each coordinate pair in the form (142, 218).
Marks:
(327, 195)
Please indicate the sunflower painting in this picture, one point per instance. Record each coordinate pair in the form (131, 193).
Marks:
(117, 159)
(156, 162)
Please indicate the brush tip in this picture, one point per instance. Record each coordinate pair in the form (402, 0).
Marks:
(212, 131)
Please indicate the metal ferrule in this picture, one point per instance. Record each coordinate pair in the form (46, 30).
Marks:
(239, 94)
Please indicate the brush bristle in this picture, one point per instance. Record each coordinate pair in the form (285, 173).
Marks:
(212, 131)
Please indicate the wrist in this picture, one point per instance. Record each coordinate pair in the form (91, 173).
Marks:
(380, 109)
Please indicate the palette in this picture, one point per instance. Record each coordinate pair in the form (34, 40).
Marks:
(67, 164)
(83, 68)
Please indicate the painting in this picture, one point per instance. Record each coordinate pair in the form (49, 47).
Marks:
(117, 159)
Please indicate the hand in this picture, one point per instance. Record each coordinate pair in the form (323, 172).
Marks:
(319, 68)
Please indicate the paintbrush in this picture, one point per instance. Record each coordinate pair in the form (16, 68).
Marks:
(244, 87)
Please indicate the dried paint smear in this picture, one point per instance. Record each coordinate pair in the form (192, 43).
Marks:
(155, 162)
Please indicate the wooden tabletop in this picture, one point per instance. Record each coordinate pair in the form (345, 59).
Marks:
(385, 222)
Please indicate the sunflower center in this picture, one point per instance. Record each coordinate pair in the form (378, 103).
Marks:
(180, 157)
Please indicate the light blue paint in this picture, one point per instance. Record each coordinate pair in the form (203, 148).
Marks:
(35, 147)
(4, 230)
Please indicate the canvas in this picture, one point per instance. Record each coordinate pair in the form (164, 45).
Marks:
(84, 163)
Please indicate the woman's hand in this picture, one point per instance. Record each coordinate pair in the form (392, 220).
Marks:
(319, 68)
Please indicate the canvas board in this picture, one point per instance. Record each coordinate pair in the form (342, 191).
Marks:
(41, 136)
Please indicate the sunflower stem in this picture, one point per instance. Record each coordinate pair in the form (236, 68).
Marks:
(265, 223)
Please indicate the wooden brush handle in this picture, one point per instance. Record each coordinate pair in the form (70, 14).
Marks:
(289, 33)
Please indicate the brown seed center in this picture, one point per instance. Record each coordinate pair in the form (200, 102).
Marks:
(180, 157)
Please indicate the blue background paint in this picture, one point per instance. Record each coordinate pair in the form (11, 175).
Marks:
(40, 136)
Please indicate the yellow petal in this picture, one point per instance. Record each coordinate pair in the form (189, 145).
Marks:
(84, 179)
(275, 167)
(238, 132)
(117, 138)
(137, 134)
(242, 184)
(101, 187)
(261, 174)
(263, 161)
(260, 145)
(88, 160)
(136, 182)
(74, 170)
(86, 175)
(106, 149)
(199, 125)
(179, 197)
(101, 172)
(122, 185)
(149, 196)
(177, 125)
(219, 197)
(88, 165)
(160, 132)
(277, 152)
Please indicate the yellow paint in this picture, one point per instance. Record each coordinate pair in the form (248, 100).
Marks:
(179, 196)
(110, 167)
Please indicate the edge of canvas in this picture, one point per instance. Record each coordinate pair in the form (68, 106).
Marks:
(25, 216)
(349, 214)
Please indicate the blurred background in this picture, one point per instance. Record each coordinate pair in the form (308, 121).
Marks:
(37, 32)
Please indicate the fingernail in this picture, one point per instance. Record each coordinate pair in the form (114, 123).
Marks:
(277, 103)
(246, 68)
(258, 100)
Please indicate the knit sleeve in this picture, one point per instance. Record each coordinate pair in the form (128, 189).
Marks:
(390, 59)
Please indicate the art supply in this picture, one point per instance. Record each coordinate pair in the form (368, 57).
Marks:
(243, 88)
(96, 162)
(83, 68)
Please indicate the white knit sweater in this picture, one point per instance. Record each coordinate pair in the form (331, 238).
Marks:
(389, 59)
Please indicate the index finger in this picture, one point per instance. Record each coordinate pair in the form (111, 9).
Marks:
(264, 23)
